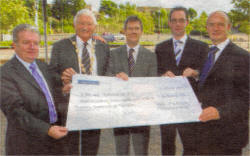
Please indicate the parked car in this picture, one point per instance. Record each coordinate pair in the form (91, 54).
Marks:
(119, 37)
(108, 37)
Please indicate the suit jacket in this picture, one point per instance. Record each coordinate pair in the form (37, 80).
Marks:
(26, 109)
(227, 89)
(193, 56)
(145, 66)
(64, 56)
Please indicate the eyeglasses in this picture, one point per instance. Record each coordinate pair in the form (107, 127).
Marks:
(175, 21)
(133, 28)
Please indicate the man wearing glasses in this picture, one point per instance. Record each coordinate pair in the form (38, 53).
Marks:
(180, 55)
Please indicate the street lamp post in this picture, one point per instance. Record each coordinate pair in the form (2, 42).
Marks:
(45, 29)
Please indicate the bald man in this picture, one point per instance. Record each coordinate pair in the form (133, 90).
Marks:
(223, 92)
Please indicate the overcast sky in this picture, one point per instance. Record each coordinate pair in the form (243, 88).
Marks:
(199, 5)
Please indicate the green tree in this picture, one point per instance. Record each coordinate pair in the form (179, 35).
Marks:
(239, 15)
(12, 13)
(30, 4)
(160, 19)
(112, 18)
(109, 8)
(199, 24)
(64, 11)
(192, 13)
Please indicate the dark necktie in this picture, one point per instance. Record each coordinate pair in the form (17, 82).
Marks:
(85, 59)
(208, 65)
(177, 51)
(41, 83)
(131, 61)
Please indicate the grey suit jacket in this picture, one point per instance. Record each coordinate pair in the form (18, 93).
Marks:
(145, 66)
(26, 109)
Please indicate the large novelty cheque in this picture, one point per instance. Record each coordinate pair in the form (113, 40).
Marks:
(98, 102)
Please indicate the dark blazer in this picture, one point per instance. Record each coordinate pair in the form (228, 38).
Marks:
(26, 109)
(227, 89)
(193, 56)
(64, 56)
(145, 66)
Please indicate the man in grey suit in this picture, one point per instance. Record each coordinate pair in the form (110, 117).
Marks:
(79, 54)
(27, 99)
(132, 60)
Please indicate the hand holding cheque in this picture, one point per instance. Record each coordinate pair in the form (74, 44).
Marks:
(108, 102)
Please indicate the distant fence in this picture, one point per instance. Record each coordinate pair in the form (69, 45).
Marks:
(240, 40)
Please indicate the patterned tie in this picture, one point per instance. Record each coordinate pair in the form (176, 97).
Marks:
(41, 83)
(208, 65)
(177, 51)
(131, 61)
(86, 59)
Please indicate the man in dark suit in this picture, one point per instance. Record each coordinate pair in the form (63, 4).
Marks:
(27, 99)
(224, 93)
(79, 54)
(132, 60)
(180, 55)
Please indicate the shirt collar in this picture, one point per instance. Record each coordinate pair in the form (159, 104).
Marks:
(26, 64)
(222, 45)
(80, 43)
(183, 39)
(136, 48)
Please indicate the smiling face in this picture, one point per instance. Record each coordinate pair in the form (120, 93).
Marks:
(84, 27)
(218, 27)
(133, 32)
(27, 45)
(178, 23)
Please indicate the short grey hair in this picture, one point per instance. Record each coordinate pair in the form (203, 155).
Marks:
(86, 12)
(23, 27)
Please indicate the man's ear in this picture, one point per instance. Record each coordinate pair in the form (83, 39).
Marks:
(13, 45)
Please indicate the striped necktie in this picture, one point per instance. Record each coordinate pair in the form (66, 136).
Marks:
(131, 61)
(177, 51)
(86, 59)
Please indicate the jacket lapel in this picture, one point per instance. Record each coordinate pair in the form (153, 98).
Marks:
(24, 73)
(124, 58)
(139, 60)
(45, 75)
(171, 48)
(73, 39)
(99, 59)
(185, 54)
(221, 59)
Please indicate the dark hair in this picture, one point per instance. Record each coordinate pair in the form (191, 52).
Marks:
(179, 8)
(132, 19)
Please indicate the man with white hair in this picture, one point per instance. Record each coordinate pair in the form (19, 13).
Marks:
(223, 91)
(79, 54)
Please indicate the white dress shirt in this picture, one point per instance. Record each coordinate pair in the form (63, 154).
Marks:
(80, 45)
